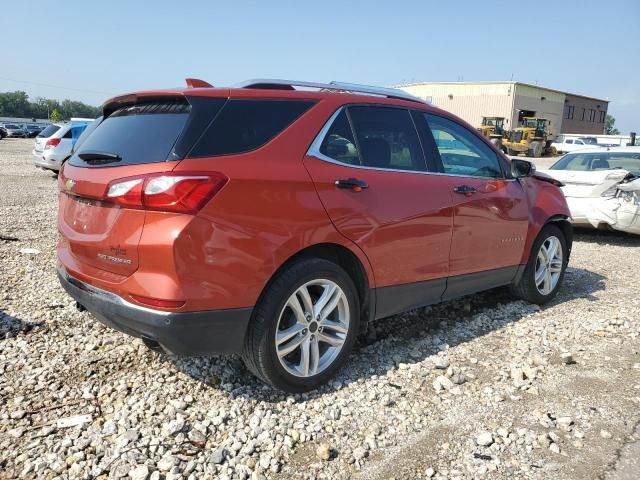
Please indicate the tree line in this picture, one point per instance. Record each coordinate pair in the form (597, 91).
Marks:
(17, 104)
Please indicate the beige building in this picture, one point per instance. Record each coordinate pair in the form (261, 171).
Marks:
(514, 100)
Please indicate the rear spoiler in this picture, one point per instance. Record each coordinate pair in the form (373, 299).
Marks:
(546, 178)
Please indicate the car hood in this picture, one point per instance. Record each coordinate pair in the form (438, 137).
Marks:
(587, 184)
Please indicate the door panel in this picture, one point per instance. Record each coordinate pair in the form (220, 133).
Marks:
(489, 226)
(490, 212)
(402, 221)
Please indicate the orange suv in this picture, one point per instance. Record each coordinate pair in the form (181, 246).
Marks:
(276, 219)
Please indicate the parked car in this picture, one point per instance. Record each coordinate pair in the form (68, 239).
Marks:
(275, 223)
(15, 131)
(53, 145)
(563, 144)
(3, 132)
(602, 187)
(33, 130)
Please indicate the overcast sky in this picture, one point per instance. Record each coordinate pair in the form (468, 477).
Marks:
(89, 51)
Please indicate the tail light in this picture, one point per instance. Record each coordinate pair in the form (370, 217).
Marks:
(181, 192)
(52, 142)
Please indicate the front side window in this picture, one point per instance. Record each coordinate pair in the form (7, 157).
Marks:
(462, 152)
(387, 138)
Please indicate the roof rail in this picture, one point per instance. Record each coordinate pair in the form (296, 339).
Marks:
(267, 83)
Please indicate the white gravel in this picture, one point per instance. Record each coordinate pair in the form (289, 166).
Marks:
(480, 387)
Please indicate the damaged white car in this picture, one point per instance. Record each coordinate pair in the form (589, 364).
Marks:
(602, 187)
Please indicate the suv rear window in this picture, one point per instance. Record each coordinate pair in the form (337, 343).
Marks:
(244, 125)
(47, 132)
(140, 133)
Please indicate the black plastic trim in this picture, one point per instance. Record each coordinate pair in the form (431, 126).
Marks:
(401, 298)
(179, 333)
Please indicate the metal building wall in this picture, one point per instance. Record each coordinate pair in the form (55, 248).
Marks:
(545, 103)
(468, 101)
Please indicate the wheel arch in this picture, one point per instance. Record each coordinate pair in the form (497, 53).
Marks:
(346, 259)
(564, 223)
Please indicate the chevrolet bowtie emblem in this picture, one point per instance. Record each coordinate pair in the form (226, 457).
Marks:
(69, 184)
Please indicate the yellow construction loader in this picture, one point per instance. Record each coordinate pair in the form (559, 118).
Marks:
(530, 138)
(493, 129)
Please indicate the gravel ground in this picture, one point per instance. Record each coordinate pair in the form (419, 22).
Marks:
(480, 387)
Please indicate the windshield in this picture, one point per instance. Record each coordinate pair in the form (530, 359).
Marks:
(13, 127)
(586, 162)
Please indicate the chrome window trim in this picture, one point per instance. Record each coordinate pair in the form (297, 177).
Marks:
(314, 151)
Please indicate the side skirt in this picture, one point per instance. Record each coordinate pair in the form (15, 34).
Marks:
(401, 298)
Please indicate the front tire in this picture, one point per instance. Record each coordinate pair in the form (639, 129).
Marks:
(304, 326)
(545, 269)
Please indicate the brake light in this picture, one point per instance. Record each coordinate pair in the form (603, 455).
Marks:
(157, 302)
(181, 192)
(52, 142)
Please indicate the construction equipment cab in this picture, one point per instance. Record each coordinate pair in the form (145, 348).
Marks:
(530, 138)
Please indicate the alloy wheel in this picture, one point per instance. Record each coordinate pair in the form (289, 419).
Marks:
(312, 328)
(548, 265)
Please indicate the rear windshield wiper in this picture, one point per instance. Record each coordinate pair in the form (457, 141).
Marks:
(95, 157)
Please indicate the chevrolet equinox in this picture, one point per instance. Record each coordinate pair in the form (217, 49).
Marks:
(276, 219)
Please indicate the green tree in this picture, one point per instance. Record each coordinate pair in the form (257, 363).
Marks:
(15, 104)
(56, 116)
(609, 128)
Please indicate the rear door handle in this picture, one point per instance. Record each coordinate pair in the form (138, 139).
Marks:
(353, 184)
(465, 190)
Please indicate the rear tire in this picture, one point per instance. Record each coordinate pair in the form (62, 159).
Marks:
(545, 269)
(291, 345)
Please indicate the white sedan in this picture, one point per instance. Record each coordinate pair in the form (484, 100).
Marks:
(602, 187)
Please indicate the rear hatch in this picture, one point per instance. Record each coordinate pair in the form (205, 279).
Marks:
(43, 136)
(100, 219)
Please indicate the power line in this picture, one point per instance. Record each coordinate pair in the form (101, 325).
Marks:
(56, 86)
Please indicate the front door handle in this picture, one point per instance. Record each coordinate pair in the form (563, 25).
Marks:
(465, 190)
(353, 184)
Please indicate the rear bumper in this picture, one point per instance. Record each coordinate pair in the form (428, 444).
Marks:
(179, 333)
(45, 160)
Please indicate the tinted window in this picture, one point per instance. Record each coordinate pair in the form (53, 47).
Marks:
(141, 133)
(68, 134)
(569, 141)
(244, 125)
(387, 138)
(339, 143)
(462, 152)
(47, 132)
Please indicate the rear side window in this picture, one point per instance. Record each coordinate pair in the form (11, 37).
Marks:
(245, 125)
(47, 132)
(339, 143)
(140, 133)
(387, 138)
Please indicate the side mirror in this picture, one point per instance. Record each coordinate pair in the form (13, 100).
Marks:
(522, 168)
